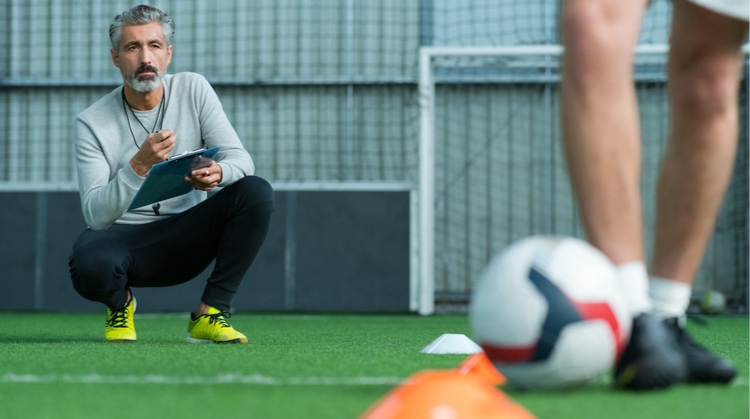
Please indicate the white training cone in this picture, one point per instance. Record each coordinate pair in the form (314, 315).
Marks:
(450, 343)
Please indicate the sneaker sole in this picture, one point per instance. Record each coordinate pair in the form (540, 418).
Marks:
(644, 376)
(657, 363)
(190, 339)
(720, 374)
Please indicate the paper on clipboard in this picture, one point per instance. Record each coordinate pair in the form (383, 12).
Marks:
(167, 179)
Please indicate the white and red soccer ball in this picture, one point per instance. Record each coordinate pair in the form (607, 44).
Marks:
(548, 313)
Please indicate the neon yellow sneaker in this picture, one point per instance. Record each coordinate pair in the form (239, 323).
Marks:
(213, 327)
(120, 326)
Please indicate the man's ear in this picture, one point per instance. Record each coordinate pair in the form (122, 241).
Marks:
(115, 57)
(169, 54)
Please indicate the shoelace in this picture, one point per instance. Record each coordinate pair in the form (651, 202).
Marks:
(220, 317)
(118, 318)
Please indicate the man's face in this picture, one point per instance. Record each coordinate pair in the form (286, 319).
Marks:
(142, 56)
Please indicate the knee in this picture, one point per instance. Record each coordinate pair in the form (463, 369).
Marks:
(257, 189)
(598, 37)
(95, 269)
(703, 88)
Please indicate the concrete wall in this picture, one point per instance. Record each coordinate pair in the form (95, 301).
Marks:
(326, 251)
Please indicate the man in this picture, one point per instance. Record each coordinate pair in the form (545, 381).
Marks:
(602, 145)
(118, 140)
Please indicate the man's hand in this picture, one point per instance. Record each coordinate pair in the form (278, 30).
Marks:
(155, 149)
(206, 178)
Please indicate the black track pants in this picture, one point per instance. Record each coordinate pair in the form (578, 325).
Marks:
(229, 227)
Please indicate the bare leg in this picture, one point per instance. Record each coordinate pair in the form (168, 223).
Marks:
(601, 135)
(601, 132)
(704, 72)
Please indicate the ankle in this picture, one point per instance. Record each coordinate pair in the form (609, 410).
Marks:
(669, 298)
(202, 309)
(632, 279)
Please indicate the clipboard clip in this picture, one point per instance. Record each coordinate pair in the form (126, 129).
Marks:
(177, 156)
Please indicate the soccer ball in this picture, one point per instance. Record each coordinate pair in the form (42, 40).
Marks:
(713, 302)
(548, 314)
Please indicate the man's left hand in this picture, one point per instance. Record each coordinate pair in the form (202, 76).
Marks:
(206, 178)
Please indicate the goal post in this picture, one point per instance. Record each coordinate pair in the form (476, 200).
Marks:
(468, 67)
(426, 196)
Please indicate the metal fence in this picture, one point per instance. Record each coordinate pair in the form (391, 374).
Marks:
(326, 91)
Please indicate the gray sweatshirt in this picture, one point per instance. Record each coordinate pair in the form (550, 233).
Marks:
(105, 145)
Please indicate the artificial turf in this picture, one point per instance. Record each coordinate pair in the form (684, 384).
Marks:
(55, 365)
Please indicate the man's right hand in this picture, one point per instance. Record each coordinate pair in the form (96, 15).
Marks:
(155, 149)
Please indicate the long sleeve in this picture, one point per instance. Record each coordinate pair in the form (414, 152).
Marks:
(216, 130)
(106, 141)
(104, 199)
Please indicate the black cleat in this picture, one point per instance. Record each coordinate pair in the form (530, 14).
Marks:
(702, 365)
(652, 359)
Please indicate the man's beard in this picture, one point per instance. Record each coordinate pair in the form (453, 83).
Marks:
(147, 83)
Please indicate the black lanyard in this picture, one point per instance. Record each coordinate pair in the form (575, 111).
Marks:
(160, 113)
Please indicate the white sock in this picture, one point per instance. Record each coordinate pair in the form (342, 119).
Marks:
(632, 278)
(669, 298)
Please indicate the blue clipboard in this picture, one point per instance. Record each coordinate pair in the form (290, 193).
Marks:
(167, 179)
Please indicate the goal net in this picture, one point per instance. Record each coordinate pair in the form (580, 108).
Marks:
(492, 170)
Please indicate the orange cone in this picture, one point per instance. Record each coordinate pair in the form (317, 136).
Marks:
(446, 395)
(482, 366)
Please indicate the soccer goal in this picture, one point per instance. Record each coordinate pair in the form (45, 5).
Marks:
(491, 169)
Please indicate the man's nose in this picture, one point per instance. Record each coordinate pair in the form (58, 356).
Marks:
(146, 56)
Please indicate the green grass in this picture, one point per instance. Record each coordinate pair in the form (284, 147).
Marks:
(285, 367)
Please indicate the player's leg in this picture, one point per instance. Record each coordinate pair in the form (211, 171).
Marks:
(601, 132)
(704, 70)
(600, 124)
(705, 66)
(601, 135)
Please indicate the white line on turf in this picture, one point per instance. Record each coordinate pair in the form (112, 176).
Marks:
(255, 379)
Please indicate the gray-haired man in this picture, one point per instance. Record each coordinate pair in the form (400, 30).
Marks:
(118, 140)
